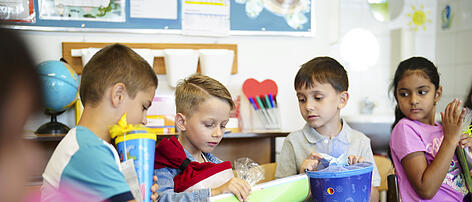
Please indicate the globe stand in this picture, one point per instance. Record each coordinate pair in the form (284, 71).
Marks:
(53, 127)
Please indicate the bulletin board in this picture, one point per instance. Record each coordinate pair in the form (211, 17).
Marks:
(268, 17)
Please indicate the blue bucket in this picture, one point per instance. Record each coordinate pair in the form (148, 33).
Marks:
(351, 184)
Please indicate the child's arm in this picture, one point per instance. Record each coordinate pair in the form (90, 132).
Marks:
(237, 186)
(426, 179)
(353, 159)
(166, 188)
(287, 163)
(311, 162)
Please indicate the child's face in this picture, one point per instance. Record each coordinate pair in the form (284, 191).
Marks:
(320, 104)
(136, 108)
(416, 97)
(206, 126)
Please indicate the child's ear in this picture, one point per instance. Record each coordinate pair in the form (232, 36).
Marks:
(343, 98)
(438, 95)
(118, 94)
(180, 121)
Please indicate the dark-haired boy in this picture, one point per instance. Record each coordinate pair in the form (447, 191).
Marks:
(321, 86)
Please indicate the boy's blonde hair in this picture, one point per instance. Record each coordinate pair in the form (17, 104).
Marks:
(111, 65)
(196, 89)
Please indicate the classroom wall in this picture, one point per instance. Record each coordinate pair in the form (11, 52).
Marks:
(259, 57)
(276, 57)
(453, 56)
(279, 57)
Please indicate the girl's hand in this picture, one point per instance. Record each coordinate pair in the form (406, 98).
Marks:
(311, 163)
(465, 141)
(237, 186)
(352, 159)
(452, 119)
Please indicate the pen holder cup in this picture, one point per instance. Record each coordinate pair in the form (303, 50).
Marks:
(266, 119)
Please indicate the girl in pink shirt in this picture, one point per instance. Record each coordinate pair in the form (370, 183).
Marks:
(422, 149)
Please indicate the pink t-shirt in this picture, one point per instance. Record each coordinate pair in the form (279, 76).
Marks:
(410, 136)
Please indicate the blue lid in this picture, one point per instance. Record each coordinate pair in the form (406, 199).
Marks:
(351, 170)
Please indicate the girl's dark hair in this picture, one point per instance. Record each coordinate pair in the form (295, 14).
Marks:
(413, 64)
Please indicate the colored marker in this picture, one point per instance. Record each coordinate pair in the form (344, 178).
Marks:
(253, 103)
(268, 101)
(275, 101)
(258, 110)
(271, 100)
(264, 110)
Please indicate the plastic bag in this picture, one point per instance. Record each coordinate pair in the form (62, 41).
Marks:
(249, 170)
(464, 154)
(328, 160)
(467, 129)
(339, 164)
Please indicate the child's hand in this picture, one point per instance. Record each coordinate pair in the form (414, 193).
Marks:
(311, 163)
(465, 141)
(352, 159)
(237, 186)
(452, 119)
(154, 189)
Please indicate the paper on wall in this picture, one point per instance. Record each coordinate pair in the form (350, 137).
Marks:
(83, 3)
(158, 9)
(206, 17)
(17, 10)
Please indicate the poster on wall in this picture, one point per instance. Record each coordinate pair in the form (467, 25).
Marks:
(84, 10)
(206, 17)
(271, 15)
(164, 9)
(17, 10)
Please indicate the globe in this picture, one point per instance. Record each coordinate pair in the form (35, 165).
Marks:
(60, 90)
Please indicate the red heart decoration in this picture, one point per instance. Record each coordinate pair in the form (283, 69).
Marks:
(253, 88)
(269, 87)
(250, 87)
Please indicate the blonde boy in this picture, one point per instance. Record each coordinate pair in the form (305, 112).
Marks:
(114, 82)
(203, 106)
(321, 86)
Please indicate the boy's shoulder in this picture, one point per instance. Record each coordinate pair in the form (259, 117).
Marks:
(298, 135)
(79, 148)
(82, 137)
(354, 135)
(307, 130)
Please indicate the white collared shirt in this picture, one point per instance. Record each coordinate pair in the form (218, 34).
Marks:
(299, 144)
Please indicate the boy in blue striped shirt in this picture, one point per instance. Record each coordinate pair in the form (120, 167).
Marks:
(114, 82)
